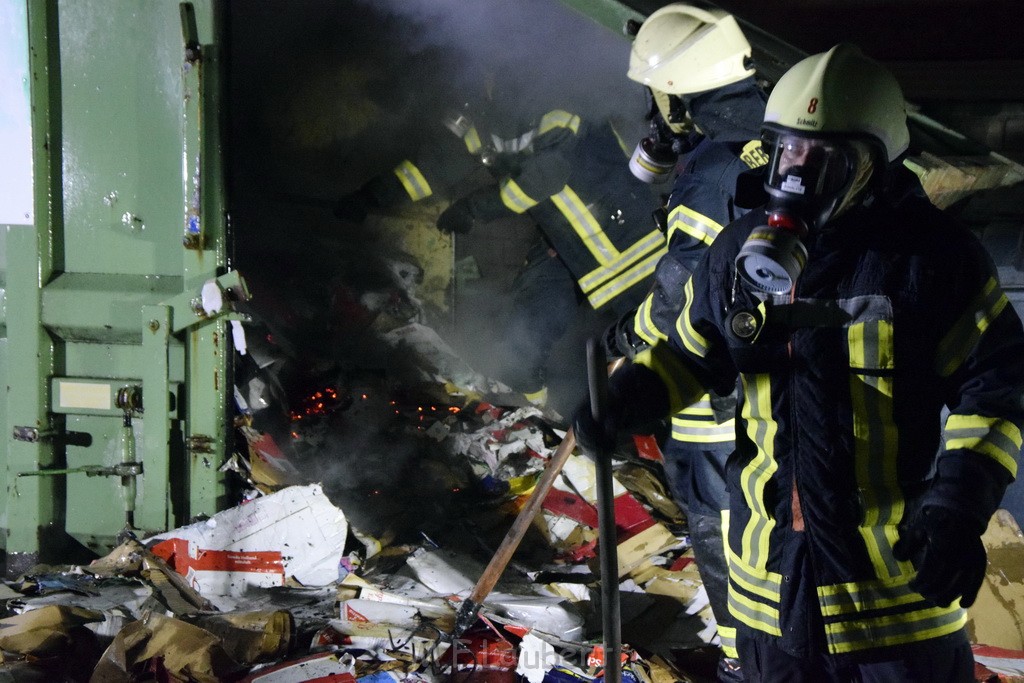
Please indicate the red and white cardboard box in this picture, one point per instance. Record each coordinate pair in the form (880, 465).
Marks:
(294, 533)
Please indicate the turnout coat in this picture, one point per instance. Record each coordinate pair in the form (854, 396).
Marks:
(890, 378)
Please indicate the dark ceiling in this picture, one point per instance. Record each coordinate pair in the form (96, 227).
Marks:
(959, 61)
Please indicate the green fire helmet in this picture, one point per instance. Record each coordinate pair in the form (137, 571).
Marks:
(681, 49)
(838, 93)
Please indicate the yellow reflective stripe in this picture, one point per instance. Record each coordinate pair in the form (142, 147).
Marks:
(697, 424)
(513, 197)
(643, 323)
(693, 340)
(763, 584)
(727, 636)
(696, 225)
(964, 336)
(637, 273)
(994, 437)
(621, 260)
(682, 387)
(861, 596)
(875, 443)
(894, 629)
(729, 560)
(586, 226)
(413, 181)
(472, 140)
(723, 433)
(559, 119)
(871, 349)
(761, 427)
(756, 615)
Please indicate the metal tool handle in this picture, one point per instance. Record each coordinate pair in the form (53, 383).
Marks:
(470, 607)
(597, 378)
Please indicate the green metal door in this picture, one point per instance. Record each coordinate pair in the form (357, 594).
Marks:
(117, 348)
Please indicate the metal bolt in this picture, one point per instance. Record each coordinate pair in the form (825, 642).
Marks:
(154, 325)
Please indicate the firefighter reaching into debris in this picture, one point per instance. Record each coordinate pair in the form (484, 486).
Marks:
(697, 67)
(597, 241)
(851, 313)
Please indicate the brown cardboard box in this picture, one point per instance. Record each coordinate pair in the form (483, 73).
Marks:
(997, 616)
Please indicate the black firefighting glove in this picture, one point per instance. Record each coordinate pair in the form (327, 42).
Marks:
(593, 438)
(457, 218)
(946, 550)
(620, 341)
(379, 192)
(354, 206)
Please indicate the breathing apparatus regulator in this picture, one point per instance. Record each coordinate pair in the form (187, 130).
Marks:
(681, 50)
(655, 156)
(822, 156)
(808, 181)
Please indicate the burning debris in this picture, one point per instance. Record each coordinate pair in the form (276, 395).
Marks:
(287, 586)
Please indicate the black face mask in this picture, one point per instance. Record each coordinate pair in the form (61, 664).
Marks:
(807, 180)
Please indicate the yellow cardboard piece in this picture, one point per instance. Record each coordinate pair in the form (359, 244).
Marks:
(188, 652)
(44, 631)
(646, 544)
(997, 616)
(250, 637)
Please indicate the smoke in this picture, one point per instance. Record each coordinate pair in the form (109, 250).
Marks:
(546, 48)
(338, 90)
(322, 96)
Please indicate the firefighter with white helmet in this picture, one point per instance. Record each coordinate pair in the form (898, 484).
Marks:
(708, 107)
(880, 369)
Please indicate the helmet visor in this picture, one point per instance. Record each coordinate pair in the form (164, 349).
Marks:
(809, 168)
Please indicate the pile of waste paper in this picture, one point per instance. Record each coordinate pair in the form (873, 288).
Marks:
(286, 587)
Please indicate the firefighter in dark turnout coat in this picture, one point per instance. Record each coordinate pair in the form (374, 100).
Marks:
(850, 312)
(598, 241)
(696, 64)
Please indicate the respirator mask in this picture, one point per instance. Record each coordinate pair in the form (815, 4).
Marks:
(809, 180)
(655, 156)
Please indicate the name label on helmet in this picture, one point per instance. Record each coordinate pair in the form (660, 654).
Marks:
(813, 123)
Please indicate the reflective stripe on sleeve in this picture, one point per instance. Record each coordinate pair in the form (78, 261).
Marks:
(472, 140)
(696, 424)
(413, 181)
(559, 119)
(961, 340)
(992, 437)
(643, 323)
(513, 197)
(696, 225)
(693, 340)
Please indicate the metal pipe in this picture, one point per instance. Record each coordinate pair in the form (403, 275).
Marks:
(597, 375)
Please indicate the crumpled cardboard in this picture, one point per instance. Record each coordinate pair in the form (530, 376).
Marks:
(997, 616)
(295, 533)
(250, 637)
(185, 651)
(45, 631)
(132, 558)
